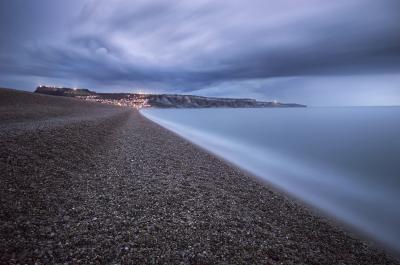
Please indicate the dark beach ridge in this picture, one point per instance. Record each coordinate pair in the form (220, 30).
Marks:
(84, 183)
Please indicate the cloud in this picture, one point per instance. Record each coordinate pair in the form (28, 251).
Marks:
(198, 45)
(355, 90)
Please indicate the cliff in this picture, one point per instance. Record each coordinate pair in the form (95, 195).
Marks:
(160, 100)
(189, 101)
(63, 91)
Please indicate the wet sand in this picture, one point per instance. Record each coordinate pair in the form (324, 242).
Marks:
(85, 183)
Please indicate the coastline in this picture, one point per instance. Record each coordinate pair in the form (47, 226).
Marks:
(111, 186)
(235, 153)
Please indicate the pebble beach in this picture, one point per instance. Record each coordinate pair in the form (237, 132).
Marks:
(86, 183)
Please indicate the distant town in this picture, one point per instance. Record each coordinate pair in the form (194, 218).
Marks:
(139, 100)
(136, 101)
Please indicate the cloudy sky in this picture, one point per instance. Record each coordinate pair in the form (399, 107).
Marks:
(317, 52)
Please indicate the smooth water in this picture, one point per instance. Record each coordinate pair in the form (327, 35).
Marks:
(344, 161)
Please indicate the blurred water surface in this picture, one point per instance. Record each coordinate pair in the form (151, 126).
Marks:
(344, 161)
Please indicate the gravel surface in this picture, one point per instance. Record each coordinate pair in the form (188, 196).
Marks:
(107, 186)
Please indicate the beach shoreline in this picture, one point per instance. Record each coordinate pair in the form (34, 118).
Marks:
(200, 141)
(110, 186)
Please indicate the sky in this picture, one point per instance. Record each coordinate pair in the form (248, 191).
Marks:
(315, 52)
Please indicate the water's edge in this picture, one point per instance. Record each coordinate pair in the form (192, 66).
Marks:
(255, 163)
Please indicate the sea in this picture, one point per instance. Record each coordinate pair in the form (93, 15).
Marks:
(343, 161)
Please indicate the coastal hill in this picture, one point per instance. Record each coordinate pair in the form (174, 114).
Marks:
(137, 100)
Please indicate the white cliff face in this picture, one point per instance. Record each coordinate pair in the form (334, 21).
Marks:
(187, 101)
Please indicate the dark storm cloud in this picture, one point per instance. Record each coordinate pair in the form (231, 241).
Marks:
(191, 45)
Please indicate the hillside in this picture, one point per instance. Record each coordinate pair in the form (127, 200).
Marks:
(161, 100)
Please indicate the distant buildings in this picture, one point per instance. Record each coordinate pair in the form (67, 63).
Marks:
(136, 101)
